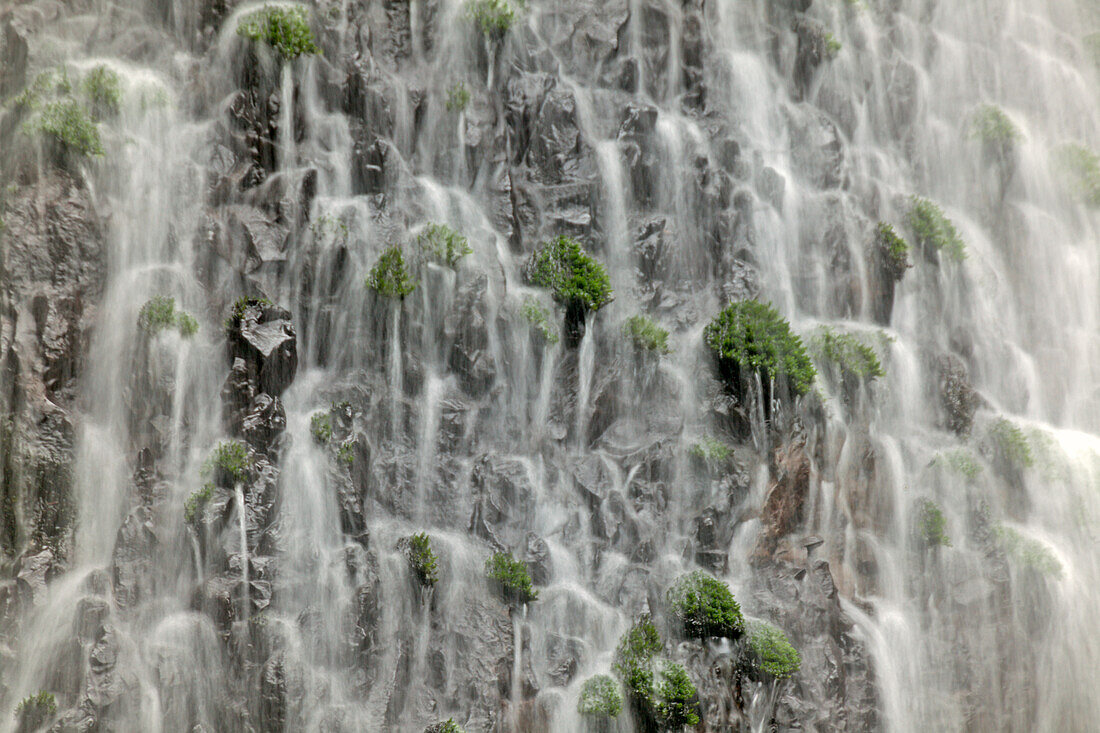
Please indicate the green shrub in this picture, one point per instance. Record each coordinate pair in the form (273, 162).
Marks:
(159, 313)
(1028, 552)
(832, 45)
(600, 697)
(749, 336)
(851, 356)
(769, 651)
(1011, 443)
(389, 277)
(511, 578)
(422, 560)
(243, 303)
(675, 698)
(229, 462)
(893, 249)
(961, 461)
(447, 726)
(634, 658)
(574, 278)
(990, 125)
(539, 317)
(285, 29)
(931, 228)
(320, 425)
(1080, 167)
(458, 97)
(101, 86)
(493, 17)
(646, 334)
(444, 244)
(705, 607)
(36, 710)
(931, 524)
(346, 453)
(197, 501)
(710, 449)
(66, 122)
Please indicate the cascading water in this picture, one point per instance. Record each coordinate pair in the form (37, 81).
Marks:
(210, 530)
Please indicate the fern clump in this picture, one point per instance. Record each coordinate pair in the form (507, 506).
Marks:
(931, 524)
(320, 426)
(600, 698)
(644, 332)
(389, 277)
(444, 244)
(102, 88)
(574, 277)
(159, 313)
(851, 356)
(458, 97)
(705, 607)
(511, 578)
(229, 462)
(893, 250)
(749, 337)
(769, 652)
(422, 560)
(933, 230)
(539, 318)
(285, 29)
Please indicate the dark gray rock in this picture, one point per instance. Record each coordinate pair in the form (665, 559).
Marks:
(264, 338)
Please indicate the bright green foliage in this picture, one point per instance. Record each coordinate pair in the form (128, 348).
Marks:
(422, 560)
(390, 277)
(159, 313)
(634, 658)
(705, 607)
(67, 123)
(494, 17)
(756, 338)
(600, 697)
(573, 276)
(444, 244)
(710, 449)
(646, 334)
(103, 90)
(447, 726)
(458, 97)
(197, 501)
(931, 524)
(231, 459)
(770, 651)
(853, 357)
(320, 425)
(36, 709)
(1081, 168)
(675, 697)
(1011, 442)
(346, 453)
(285, 29)
(894, 250)
(961, 461)
(990, 124)
(329, 228)
(512, 578)
(931, 228)
(832, 45)
(1026, 551)
(539, 317)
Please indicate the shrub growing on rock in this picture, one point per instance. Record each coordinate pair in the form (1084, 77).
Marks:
(196, 502)
(285, 29)
(574, 277)
(710, 449)
(390, 277)
(422, 560)
(931, 524)
(600, 697)
(447, 726)
(675, 698)
(661, 693)
(229, 462)
(705, 607)
(159, 313)
(103, 90)
(444, 244)
(36, 710)
(539, 317)
(893, 251)
(1011, 443)
(990, 125)
(69, 125)
(634, 657)
(769, 652)
(1080, 168)
(511, 578)
(458, 97)
(494, 17)
(961, 461)
(851, 356)
(749, 337)
(320, 426)
(644, 332)
(933, 231)
(1027, 552)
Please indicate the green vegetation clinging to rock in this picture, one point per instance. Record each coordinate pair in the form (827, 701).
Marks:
(444, 244)
(710, 449)
(705, 607)
(159, 313)
(644, 332)
(229, 462)
(1011, 443)
(36, 710)
(893, 249)
(285, 29)
(574, 277)
(511, 578)
(751, 337)
(675, 698)
(1027, 552)
(458, 97)
(320, 426)
(59, 115)
(539, 318)
(102, 88)
(846, 352)
(931, 524)
(494, 17)
(933, 230)
(422, 560)
(389, 277)
(961, 461)
(770, 652)
(1080, 167)
(600, 697)
(197, 501)
(992, 126)
(446, 726)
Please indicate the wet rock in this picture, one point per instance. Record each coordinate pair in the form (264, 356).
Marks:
(563, 657)
(466, 325)
(133, 558)
(958, 399)
(817, 148)
(787, 492)
(264, 338)
(32, 572)
(13, 60)
(264, 421)
(537, 557)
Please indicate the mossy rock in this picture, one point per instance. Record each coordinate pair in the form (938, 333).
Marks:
(705, 607)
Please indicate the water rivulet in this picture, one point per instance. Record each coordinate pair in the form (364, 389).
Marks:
(369, 365)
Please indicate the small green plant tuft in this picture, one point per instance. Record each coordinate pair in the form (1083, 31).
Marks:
(422, 560)
(36, 710)
(285, 29)
(186, 324)
(931, 524)
(1027, 552)
(751, 337)
(1011, 443)
(511, 578)
(346, 453)
(634, 658)
(847, 352)
(196, 502)
(66, 122)
(101, 87)
(770, 653)
(159, 313)
(1080, 168)
(444, 244)
(705, 607)
(710, 449)
(229, 462)
(646, 334)
(458, 97)
(675, 697)
(390, 277)
(893, 250)
(539, 317)
(574, 277)
(494, 17)
(961, 461)
(600, 697)
(990, 125)
(832, 45)
(932, 229)
(320, 426)
(446, 726)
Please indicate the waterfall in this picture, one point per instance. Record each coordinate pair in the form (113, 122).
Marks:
(273, 321)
